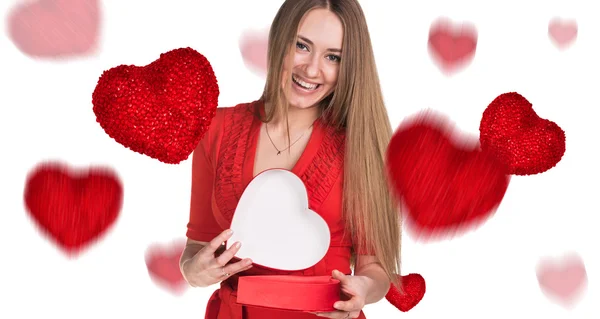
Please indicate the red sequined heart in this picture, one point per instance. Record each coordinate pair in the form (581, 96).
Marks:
(445, 186)
(161, 110)
(413, 290)
(163, 266)
(74, 207)
(516, 135)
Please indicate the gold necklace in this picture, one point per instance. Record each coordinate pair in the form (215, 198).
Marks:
(279, 151)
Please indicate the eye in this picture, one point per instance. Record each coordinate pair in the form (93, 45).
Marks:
(301, 46)
(334, 58)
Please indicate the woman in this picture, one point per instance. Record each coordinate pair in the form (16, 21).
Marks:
(321, 116)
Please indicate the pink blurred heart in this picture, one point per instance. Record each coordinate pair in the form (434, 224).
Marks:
(562, 32)
(452, 45)
(55, 28)
(163, 266)
(562, 279)
(253, 47)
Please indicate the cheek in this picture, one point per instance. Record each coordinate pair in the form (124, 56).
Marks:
(331, 75)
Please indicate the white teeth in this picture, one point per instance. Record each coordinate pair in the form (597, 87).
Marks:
(303, 84)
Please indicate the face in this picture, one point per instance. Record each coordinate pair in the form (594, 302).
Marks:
(316, 59)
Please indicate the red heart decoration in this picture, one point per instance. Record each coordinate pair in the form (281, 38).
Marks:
(562, 32)
(55, 28)
(74, 207)
(525, 143)
(161, 110)
(254, 47)
(413, 290)
(444, 185)
(452, 45)
(163, 266)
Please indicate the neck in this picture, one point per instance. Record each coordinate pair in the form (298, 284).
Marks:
(299, 120)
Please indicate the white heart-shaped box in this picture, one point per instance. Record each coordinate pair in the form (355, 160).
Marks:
(275, 226)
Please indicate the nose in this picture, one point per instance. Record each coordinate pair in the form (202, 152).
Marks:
(312, 66)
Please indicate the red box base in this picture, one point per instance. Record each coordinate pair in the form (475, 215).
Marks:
(301, 293)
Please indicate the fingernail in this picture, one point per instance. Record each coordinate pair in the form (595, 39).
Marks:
(237, 244)
(229, 232)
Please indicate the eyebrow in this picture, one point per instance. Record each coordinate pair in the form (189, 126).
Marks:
(305, 39)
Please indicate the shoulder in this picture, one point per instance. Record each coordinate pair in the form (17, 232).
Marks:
(224, 114)
(225, 117)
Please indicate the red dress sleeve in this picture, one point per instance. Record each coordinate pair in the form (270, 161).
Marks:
(202, 225)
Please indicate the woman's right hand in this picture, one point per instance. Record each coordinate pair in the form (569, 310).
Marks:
(208, 267)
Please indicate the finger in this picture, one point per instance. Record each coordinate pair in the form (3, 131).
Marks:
(239, 266)
(226, 256)
(332, 314)
(222, 273)
(349, 305)
(336, 274)
(216, 243)
(220, 251)
(326, 314)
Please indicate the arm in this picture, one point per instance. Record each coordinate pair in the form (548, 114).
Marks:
(376, 281)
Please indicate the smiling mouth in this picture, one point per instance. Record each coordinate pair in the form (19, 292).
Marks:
(305, 85)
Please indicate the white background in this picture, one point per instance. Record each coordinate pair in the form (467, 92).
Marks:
(46, 113)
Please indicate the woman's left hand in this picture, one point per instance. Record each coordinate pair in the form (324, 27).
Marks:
(355, 288)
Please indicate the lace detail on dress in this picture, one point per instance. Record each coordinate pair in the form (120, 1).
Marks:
(320, 176)
(229, 183)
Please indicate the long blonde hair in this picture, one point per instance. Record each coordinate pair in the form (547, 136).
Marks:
(356, 105)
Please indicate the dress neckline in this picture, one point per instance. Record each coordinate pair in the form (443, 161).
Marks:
(305, 159)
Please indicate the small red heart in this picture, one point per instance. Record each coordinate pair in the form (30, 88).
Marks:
(452, 45)
(161, 110)
(75, 207)
(517, 136)
(55, 28)
(445, 185)
(163, 266)
(413, 290)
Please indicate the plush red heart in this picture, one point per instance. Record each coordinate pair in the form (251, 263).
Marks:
(452, 46)
(516, 135)
(163, 266)
(55, 28)
(161, 110)
(445, 182)
(74, 207)
(413, 290)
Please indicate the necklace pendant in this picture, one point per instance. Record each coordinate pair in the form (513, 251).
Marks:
(278, 152)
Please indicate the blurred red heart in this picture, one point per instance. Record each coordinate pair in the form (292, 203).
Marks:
(254, 47)
(163, 266)
(413, 290)
(161, 110)
(562, 32)
(55, 28)
(525, 143)
(74, 207)
(563, 279)
(452, 45)
(444, 181)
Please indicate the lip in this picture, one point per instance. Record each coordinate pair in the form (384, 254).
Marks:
(302, 91)
(304, 79)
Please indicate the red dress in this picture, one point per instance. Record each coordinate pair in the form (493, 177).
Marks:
(223, 165)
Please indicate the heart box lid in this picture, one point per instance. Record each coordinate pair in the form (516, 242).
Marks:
(275, 226)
